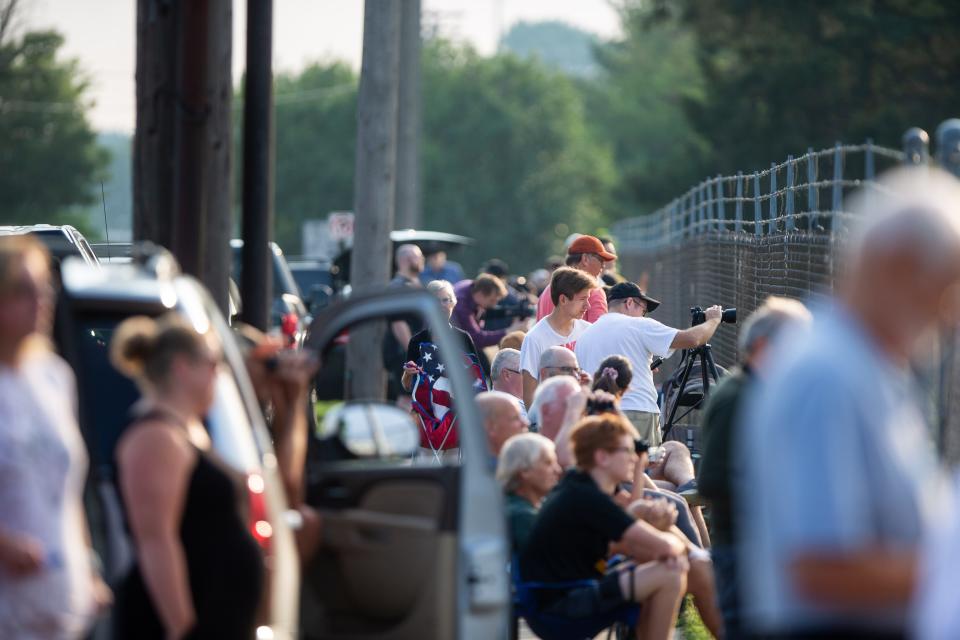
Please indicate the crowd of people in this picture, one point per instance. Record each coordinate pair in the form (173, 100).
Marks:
(828, 512)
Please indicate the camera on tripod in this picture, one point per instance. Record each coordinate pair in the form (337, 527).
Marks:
(698, 316)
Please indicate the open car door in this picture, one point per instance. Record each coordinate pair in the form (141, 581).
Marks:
(413, 546)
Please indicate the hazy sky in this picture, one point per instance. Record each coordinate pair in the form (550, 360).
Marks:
(101, 34)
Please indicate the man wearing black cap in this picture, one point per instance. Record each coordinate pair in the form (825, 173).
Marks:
(625, 331)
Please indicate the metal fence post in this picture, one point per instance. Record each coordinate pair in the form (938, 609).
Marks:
(869, 169)
(719, 209)
(772, 207)
(738, 208)
(916, 146)
(813, 192)
(948, 145)
(837, 178)
(948, 157)
(789, 223)
(757, 212)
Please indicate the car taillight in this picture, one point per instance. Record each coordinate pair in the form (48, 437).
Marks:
(289, 325)
(260, 525)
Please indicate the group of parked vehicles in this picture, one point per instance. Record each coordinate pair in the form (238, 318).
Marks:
(408, 550)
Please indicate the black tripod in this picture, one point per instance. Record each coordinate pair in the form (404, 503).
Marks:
(681, 378)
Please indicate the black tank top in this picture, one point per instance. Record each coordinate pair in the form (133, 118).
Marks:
(225, 565)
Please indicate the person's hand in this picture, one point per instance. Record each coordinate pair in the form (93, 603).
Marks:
(714, 313)
(660, 514)
(102, 596)
(622, 498)
(20, 555)
(584, 379)
(289, 379)
(576, 404)
(411, 367)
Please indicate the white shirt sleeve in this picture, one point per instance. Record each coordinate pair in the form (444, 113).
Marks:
(530, 355)
(657, 337)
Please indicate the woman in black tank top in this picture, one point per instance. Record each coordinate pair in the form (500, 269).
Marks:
(199, 572)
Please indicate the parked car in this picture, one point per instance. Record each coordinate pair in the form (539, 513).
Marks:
(428, 241)
(60, 240)
(315, 281)
(413, 548)
(288, 312)
(92, 303)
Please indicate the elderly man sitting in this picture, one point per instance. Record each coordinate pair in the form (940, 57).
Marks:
(505, 374)
(500, 413)
(560, 361)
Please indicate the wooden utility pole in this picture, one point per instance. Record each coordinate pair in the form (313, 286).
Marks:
(182, 145)
(374, 186)
(409, 212)
(257, 278)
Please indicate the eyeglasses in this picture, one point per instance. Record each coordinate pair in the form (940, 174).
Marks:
(622, 450)
(513, 370)
(570, 371)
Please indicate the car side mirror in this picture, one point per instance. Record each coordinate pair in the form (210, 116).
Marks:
(370, 430)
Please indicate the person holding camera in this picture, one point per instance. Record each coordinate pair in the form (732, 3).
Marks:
(626, 331)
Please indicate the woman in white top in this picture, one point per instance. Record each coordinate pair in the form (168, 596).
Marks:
(48, 586)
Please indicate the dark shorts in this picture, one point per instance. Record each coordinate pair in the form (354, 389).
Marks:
(602, 597)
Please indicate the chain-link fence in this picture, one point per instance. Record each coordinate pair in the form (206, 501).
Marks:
(734, 240)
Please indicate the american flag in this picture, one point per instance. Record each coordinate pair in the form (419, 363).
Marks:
(433, 397)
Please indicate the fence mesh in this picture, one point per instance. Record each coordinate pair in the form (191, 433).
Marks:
(734, 240)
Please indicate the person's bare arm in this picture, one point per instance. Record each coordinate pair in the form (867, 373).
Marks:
(20, 555)
(575, 406)
(529, 387)
(155, 468)
(699, 335)
(870, 577)
(642, 542)
(289, 393)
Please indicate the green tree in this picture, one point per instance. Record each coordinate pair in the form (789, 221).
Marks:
(316, 137)
(782, 76)
(508, 158)
(49, 158)
(638, 103)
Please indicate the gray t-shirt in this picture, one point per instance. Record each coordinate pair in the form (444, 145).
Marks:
(836, 458)
(42, 469)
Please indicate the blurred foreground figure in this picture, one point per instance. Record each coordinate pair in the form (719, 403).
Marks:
(49, 587)
(840, 481)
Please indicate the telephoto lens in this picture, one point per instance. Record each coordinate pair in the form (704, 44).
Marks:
(698, 316)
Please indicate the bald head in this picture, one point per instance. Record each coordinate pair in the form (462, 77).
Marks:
(500, 413)
(558, 361)
(903, 261)
(409, 259)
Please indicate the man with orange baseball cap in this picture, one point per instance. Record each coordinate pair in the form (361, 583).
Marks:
(587, 254)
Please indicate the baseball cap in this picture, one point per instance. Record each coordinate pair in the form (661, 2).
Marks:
(590, 244)
(624, 290)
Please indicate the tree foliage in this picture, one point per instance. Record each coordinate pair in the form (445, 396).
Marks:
(782, 76)
(49, 157)
(508, 158)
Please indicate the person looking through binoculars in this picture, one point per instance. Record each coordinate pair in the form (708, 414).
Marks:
(625, 331)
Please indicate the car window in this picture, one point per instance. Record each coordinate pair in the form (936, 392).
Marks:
(106, 396)
(107, 399)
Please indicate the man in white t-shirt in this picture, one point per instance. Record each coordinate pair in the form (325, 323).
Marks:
(625, 331)
(570, 293)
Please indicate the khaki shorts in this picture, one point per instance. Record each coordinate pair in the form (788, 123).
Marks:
(647, 425)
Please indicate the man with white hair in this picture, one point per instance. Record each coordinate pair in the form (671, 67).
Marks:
(720, 422)
(501, 417)
(561, 361)
(550, 404)
(840, 482)
(505, 374)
